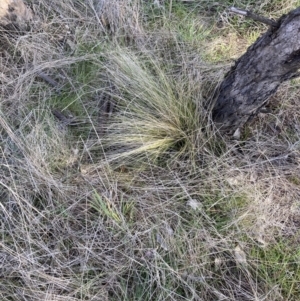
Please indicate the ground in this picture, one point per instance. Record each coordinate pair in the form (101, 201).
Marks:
(114, 182)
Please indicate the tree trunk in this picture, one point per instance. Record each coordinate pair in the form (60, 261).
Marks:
(271, 60)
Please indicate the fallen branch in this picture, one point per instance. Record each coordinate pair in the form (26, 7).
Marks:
(251, 15)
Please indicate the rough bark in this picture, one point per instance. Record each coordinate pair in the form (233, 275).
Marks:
(271, 60)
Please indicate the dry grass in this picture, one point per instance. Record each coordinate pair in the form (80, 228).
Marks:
(153, 112)
(113, 183)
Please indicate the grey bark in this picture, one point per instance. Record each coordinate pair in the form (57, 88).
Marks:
(271, 60)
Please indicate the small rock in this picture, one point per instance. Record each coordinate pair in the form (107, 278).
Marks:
(14, 12)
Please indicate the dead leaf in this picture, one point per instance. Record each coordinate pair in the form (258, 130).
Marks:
(194, 204)
(161, 241)
(240, 256)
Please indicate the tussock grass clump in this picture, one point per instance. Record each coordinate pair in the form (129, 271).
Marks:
(121, 18)
(155, 114)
